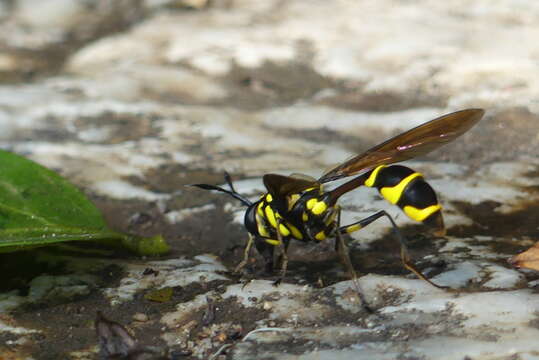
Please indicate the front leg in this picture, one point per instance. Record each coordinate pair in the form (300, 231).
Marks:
(246, 253)
(267, 252)
(263, 248)
(283, 257)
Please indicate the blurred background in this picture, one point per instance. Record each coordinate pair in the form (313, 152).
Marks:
(132, 99)
(257, 86)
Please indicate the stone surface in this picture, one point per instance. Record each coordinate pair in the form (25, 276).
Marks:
(133, 100)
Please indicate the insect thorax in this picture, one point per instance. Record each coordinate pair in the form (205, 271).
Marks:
(305, 216)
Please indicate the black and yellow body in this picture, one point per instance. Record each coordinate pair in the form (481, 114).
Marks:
(312, 214)
(305, 217)
(408, 190)
(300, 216)
(299, 208)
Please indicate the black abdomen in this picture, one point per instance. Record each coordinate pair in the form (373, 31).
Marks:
(407, 189)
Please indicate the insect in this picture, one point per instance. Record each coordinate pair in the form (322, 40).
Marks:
(297, 207)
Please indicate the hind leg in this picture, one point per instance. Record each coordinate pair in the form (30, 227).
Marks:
(405, 256)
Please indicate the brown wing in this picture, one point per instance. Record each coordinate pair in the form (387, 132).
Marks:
(280, 185)
(415, 142)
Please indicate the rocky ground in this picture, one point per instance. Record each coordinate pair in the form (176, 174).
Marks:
(132, 100)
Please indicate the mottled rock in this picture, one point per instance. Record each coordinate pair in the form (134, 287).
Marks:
(132, 100)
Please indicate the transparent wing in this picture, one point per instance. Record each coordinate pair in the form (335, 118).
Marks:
(415, 142)
(281, 185)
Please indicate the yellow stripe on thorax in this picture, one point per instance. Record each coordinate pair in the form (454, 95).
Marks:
(316, 207)
(262, 230)
(421, 214)
(295, 232)
(393, 194)
(319, 208)
(284, 230)
(374, 174)
(270, 216)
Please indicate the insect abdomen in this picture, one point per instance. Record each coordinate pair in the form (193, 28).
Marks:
(407, 189)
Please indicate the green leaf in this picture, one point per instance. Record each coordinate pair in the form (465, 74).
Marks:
(38, 207)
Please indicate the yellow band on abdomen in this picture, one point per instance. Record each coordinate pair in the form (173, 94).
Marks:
(393, 194)
(372, 178)
(421, 214)
(270, 216)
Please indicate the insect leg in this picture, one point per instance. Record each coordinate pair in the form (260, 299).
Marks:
(342, 250)
(405, 256)
(358, 225)
(283, 258)
(266, 251)
(246, 254)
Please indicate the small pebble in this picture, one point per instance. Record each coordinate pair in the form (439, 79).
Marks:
(267, 305)
(140, 317)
